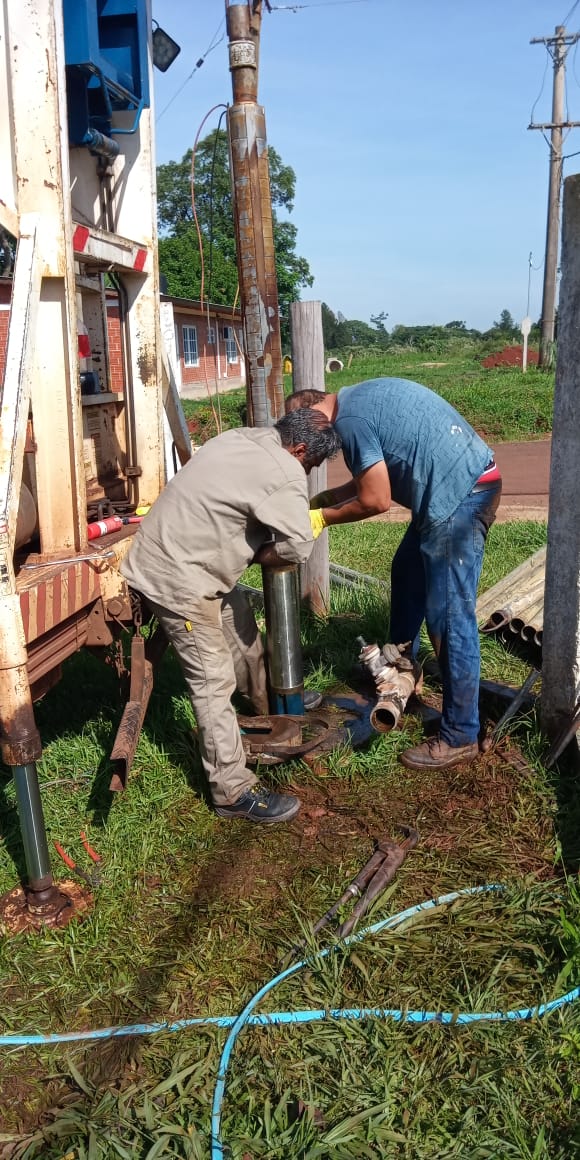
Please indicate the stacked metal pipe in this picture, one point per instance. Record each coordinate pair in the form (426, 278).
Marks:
(514, 607)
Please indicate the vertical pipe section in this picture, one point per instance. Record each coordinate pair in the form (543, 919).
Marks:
(308, 374)
(21, 748)
(561, 634)
(254, 226)
(32, 828)
(283, 648)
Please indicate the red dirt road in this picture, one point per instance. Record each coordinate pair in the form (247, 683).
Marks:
(525, 469)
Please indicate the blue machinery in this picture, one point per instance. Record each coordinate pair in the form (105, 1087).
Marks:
(107, 66)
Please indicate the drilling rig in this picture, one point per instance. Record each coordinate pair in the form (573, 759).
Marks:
(78, 197)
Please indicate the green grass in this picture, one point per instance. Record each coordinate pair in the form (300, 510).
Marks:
(501, 403)
(194, 914)
(370, 546)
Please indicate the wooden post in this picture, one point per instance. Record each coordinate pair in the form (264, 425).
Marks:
(561, 639)
(308, 374)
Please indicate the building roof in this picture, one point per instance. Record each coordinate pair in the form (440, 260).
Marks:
(192, 304)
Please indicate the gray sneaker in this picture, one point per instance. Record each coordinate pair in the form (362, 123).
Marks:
(258, 804)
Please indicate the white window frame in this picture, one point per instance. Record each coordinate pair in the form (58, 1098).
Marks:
(211, 336)
(231, 345)
(190, 347)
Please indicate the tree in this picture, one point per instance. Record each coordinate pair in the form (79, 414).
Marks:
(179, 257)
(379, 321)
(329, 327)
(506, 323)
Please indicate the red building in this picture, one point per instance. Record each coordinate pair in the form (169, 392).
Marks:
(204, 344)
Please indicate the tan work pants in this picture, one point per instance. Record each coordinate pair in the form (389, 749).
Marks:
(219, 647)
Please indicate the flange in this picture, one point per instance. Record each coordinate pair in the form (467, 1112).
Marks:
(276, 738)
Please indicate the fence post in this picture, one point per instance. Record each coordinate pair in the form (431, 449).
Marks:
(561, 639)
(308, 373)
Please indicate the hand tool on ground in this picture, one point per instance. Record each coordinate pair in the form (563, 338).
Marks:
(93, 880)
(514, 705)
(369, 883)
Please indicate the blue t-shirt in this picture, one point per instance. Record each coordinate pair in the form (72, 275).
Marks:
(433, 456)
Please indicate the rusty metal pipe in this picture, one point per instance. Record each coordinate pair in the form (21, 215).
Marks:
(394, 684)
(389, 708)
(253, 221)
(496, 621)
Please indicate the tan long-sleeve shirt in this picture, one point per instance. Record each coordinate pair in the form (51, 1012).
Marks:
(214, 515)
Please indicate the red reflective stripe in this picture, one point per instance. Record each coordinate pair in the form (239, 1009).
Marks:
(56, 600)
(490, 475)
(80, 238)
(140, 260)
(41, 625)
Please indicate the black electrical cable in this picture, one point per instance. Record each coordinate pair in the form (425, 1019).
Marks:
(213, 44)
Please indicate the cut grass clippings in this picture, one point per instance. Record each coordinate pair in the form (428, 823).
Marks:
(195, 914)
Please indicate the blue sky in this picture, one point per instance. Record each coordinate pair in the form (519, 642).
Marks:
(419, 189)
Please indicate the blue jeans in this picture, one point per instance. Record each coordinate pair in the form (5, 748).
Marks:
(434, 577)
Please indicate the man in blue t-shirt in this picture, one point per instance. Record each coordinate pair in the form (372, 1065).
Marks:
(404, 443)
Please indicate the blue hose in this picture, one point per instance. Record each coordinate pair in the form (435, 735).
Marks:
(278, 1018)
(445, 1017)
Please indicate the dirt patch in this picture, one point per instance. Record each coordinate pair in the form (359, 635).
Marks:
(510, 356)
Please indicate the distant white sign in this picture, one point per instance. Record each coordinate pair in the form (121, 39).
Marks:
(526, 326)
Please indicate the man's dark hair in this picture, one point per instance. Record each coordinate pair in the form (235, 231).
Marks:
(303, 399)
(312, 428)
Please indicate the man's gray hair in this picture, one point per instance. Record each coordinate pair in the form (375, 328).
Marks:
(314, 430)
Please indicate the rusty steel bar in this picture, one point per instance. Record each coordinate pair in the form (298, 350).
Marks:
(253, 224)
(145, 657)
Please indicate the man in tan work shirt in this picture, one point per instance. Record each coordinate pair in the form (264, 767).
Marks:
(242, 498)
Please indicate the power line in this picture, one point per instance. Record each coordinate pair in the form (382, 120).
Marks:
(213, 44)
(572, 10)
(317, 4)
(540, 92)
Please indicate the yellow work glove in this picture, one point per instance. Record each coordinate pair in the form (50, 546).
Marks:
(317, 522)
(321, 500)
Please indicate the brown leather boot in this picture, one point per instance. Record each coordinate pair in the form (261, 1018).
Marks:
(437, 754)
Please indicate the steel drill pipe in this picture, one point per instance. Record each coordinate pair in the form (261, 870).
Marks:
(283, 647)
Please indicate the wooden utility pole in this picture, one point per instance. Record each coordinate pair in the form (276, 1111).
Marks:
(308, 374)
(557, 46)
(253, 218)
(561, 640)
